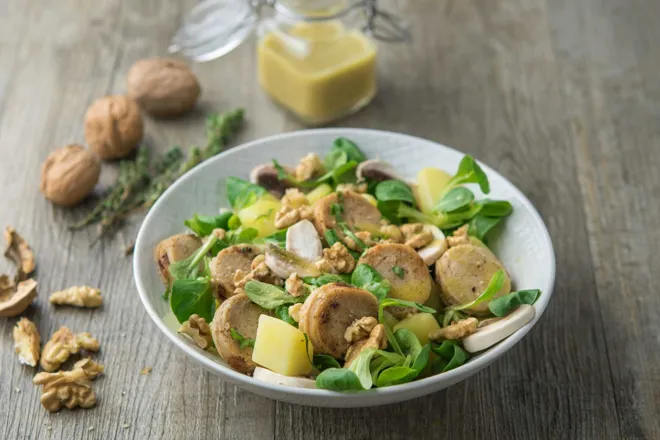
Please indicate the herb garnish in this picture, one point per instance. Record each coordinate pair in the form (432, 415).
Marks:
(242, 340)
(399, 271)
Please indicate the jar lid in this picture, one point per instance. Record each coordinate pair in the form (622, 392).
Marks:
(216, 27)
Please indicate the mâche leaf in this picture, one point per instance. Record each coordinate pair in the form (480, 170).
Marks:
(469, 171)
(269, 296)
(282, 312)
(456, 199)
(204, 225)
(185, 269)
(389, 190)
(450, 355)
(353, 153)
(494, 286)
(367, 278)
(360, 366)
(495, 208)
(481, 225)
(389, 302)
(242, 193)
(189, 297)
(503, 305)
(323, 361)
(338, 379)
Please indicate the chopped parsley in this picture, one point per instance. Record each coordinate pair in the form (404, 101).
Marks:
(399, 271)
(242, 340)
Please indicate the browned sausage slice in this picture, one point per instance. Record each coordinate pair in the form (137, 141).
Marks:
(227, 262)
(329, 310)
(357, 212)
(242, 314)
(402, 266)
(172, 249)
(463, 273)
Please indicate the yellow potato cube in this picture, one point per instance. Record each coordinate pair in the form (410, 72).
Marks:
(318, 193)
(280, 347)
(260, 216)
(430, 184)
(421, 324)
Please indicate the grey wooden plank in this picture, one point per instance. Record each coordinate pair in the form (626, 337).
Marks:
(611, 94)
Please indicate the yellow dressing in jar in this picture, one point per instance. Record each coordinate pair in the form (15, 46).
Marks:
(336, 77)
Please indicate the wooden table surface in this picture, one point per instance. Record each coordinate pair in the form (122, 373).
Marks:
(562, 97)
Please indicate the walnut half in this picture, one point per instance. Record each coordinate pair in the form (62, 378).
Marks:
(69, 388)
(458, 330)
(27, 342)
(62, 345)
(78, 296)
(199, 331)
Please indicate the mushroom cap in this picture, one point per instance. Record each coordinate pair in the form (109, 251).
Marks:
(265, 175)
(15, 299)
(376, 170)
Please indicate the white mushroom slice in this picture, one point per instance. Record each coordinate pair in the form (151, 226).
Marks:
(283, 263)
(267, 177)
(433, 251)
(270, 376)
(433, 229)
(375, 169)
(493, 333)
(303, 240)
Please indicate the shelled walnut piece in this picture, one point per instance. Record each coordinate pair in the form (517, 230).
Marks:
(460, 329)
(336, 259)
(199, 331)
(69, 388)
(20, 252)
(27, 342)
(62, 345)
(77, 296)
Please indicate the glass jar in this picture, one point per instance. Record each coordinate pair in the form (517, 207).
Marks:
(316, 58)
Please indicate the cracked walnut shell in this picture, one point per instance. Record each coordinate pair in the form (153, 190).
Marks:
(27, 342)
(62, 345)
(69, 174)
(15, 298)
(20, 252)
(113, 127)
(77, 296)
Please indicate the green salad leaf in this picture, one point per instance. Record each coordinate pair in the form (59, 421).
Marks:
(481, 225)
(494, 286)
(335, 159)
(367, 278)
(456, 199)
(282, 312)
(389, 302)
(495, 208)
(389, 190)
(278, 238)
(189, 267)
(203, 225)
(269, 296)
(468, 171)
(323, 361)
(503, 305)
(390, 211)
(360, 366)
(331, 237)
(353, 153)
(338, 379)
(399, 271)
(450, 355)
(189, 297)
(242, 193)
(395, 375)
(328, 278)
(242, 340)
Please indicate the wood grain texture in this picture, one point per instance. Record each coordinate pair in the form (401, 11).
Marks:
(561, 97)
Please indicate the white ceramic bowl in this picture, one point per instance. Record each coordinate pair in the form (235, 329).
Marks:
(523, 245)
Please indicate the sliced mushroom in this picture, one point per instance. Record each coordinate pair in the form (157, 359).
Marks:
(329, 310)
(227, 263)
(303, 240)
(377, 340)
(14, 299)
(357, 213)
(266, 176)
(494, 332)
(272, 377)
(239, 313)
(284, 263)
(172, 249)
(19, 250)
(463, 273)
(376, 170)
(410, 280)
(433, 251)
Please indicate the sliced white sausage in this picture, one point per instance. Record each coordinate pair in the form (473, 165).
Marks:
(493, 333)
(240, 313)
(329, 310)
(403, 268)
(303, 240)
(266, 375)
(172, 249)
(357, 213)
(227, 262)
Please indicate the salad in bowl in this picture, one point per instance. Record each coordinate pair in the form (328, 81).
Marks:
(336, 273)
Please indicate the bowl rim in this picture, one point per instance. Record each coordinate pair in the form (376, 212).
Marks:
(416, 387)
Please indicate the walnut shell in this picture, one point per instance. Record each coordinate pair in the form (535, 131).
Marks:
(113, 126)
(69, 174)
(163, 86)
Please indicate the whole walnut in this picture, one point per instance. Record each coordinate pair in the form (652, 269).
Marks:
(69, 174)
(113, 126)
(163, 86)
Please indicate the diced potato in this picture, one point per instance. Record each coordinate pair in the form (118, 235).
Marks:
(371, 199)
(260, 216)
(430, 183)
(421, 324)
(280, 347)
(434, 298)
(318, 193)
